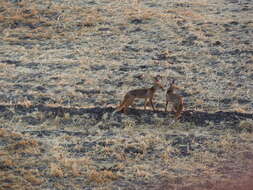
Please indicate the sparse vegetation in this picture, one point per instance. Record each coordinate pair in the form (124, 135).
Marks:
(65, 65)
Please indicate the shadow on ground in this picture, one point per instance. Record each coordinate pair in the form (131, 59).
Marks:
(196, 117)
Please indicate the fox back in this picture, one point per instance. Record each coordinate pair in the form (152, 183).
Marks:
(145, 93)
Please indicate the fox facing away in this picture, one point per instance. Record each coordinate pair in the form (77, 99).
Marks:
(175, 99)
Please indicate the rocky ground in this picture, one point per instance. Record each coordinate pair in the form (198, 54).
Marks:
(65, 65)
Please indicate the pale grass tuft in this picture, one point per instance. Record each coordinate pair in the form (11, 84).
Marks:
(83, 161)
(56, 170)
(76, 164)
(246, 136)
(120, 166)
(27, 103)
(66, 116)
(142, 171)
(199, 102)
(225, 143)
(75, 168)
(92, 18)
(167, 154)
(204, 157)
(120, 156)
(246, 125)
(102, 176)
(137, 11)
(37, 35)
(238, 108)
(129, 125)
(8, 162)
(27, 145)
(14, 135)
(32, 178)
(191, 14)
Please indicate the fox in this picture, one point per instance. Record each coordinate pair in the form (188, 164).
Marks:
(175, 99)
(144, 93)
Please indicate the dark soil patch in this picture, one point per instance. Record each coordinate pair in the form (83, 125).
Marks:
(197, 117)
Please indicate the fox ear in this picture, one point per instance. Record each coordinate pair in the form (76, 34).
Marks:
(173, 81)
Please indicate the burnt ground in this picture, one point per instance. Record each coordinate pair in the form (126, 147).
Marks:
(198, 142)
(65, 65)
(199, 118)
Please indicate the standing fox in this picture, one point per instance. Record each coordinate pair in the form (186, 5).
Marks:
(175, 99)
(145, 93)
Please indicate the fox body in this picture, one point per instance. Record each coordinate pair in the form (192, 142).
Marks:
(175, 99)
(143, 93)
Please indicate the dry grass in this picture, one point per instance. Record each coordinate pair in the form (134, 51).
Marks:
(56, 170)
(17, 170)
(102, 176)
(246, 125)
(33, 177)
(65, 64)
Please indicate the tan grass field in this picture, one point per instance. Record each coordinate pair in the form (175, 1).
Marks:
(65, 65)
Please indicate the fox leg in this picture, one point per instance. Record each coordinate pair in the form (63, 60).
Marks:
(121, 106)
(174, 109)
(145, 103)
(178, 114)
(166, 106)
(151, 102)
(179, 111)
(125, 110)
(127, 104)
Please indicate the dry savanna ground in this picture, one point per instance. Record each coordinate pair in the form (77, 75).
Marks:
(65, 65)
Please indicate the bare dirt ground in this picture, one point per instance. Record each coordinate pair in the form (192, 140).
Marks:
(65, 65)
